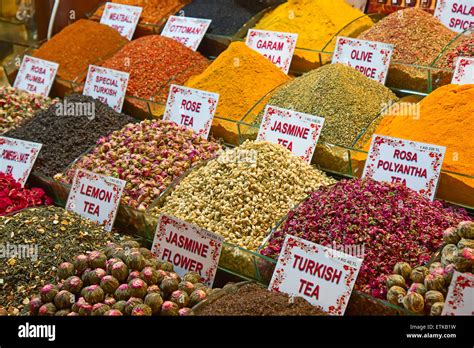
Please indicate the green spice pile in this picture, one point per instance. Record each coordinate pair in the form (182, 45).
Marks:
(36, 240)
(148, 155)
(241, 200)
(254, 300)
(418, 38)
(121, 279)
(67, 129)
(346, 99)
(17, 107)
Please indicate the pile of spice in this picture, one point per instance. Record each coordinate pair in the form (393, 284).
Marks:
(346, 99)
(445, 117)
(121, 279)
(154, 62)
(390, 222)
(254, 300)
(17, 107)
(154, 11)
(418, 38)
(242, 77)
(35, 241)
(316, 23)
(78, 45)
(13, 197)
(148, 156)
(422, 290)
(68, 129)
(227, 16)
(241, 200)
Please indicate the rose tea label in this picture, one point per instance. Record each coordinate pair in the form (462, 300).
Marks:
(123, 18)
(95, 197)
(464, 71)
(191, 108)
(36, 75)
(188, 247)
(107, 85)
(187, 30)
(296, 131)
(460, 297)
(323, 276)
(276, 46)
(18, 157)
(416, 165)
(369, 57)
(457, 15)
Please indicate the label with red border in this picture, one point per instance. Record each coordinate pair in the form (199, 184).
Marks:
(296, 131)
(192, 108)
(416, 165)
(323, 276)
(188, 247)
(123, 18)
(95, 197)
(464, 71)
(278, 47)
(107, 85)
(187, 30)
(457, 15)
(36, 75)
(460, 297)
(371, 58)
(18, 157)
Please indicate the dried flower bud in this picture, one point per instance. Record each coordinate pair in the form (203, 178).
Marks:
(414, 302)
(395, 295)
(403, 269)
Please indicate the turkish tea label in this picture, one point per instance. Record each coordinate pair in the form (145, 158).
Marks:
(36, 76)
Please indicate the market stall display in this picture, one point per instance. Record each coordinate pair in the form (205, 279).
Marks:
(148, 155)
(241, 76)
(388, 220)
(68, 129)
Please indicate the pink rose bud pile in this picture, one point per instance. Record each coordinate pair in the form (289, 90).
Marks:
(392, 223)
(148, 155)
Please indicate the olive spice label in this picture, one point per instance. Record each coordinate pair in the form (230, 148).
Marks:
(371, 58)
(191, 108)
(296, 131)
(107, 85)
(460, 297)
(457, 15)
(416, 165)
(188, 247)
(95, 197)
(187, 30)
(123, 18)
(464, 71)
(323, 276)
(278, 47)
(36, 76)
(18, 157)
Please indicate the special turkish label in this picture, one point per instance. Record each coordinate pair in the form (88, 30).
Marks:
(276, 46)
(95, 197)
(324, 277)
(107, 85)
(191, 108)
(123, 18)
(416, 165)
(464, 71)
(296, 131)
(460, 297)
(36, 75)
(188, 247)
(187, 30)
(18, 157)
(371, 58)
(457, 15)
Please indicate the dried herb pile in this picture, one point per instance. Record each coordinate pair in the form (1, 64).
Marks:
(67, 130)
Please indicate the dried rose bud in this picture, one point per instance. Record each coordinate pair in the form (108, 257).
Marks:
(99, 309)
(135, 261)
(48, 309)
(80, 263)
(131, 303)
(154, 301)
(73, 284)
(432, 297)
(132, 275)
(64, 299)
(96, 275)
(110, 301)
(414, 302)
(65, 270)
(196, 297)
(403, 269)
(181, 298)
(186, 286)
(35, 304)
(109, 284)
(419, 288)
(97, 259)
(94, 294)
(120, 306)
(169, 308)
(192, 277)
(184, 312)
(167, 266)
(113, 313)
(137, 288)
(110, 262)
(120, 271)
(395, 295)
(48, 292)
(122, 292)
(149, 275)
(146, 253)
(141, 310)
